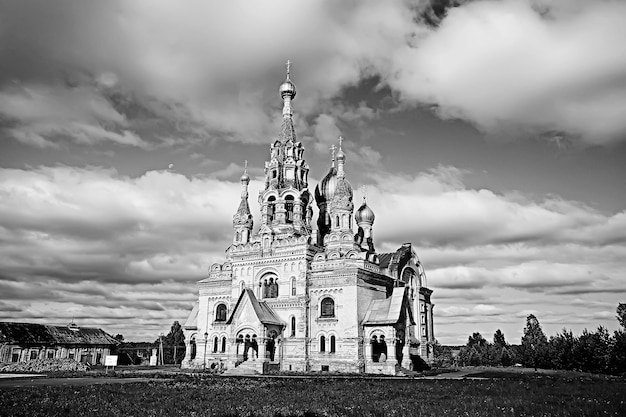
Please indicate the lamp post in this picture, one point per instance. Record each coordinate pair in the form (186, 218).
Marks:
(206, 339)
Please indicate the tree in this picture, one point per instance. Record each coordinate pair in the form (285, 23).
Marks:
(476, 339)
(498, 339)
(561, 350)
(534, 344)
(592, 351)
(617, 361)
(621, 314)
(173, 344)
(500, 353)
(442, 355)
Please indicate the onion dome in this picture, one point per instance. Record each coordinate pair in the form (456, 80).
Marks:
(364, 214)
(325, 190)
(245, 178)
(287, 88)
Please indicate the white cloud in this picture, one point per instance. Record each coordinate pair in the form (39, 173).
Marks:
(507, 65)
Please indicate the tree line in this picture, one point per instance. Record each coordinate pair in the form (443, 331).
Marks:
(596, 351)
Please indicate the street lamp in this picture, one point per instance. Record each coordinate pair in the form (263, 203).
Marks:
(206, 339)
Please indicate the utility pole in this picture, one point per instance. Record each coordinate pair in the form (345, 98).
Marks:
(161, 353)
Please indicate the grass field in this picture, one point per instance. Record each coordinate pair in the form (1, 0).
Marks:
(222, 396)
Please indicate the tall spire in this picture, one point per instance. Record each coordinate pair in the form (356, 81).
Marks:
(242, 220)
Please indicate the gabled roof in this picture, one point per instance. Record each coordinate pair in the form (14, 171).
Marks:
(265, 314)
(192, 320)
(43, 334)
(389, 311)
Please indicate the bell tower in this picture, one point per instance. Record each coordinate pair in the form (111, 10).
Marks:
(285, 201)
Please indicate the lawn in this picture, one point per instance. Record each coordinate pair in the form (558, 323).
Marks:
(223, 396)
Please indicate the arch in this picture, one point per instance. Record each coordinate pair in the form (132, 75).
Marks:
(293, 267)
(223, 344)
(192, 347)
(344, 220)
(242, 285)
(238, 236)
(249, 270)
(289, 203)
(327, 307)
(378, 344)
(268, 286)
(293, 286)
(322, 343)
(337, 221)
(293, 326)
(215, 342)
(221, 312)
(333, 343)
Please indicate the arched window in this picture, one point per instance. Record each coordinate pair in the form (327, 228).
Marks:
(220, 312)
(238, 236)
(270, 208)
(192, 346)
(269, 287)
(215, 341)
(345, 221)
(293, 286)
(332, 344)
(223, 343)
(322, 343)
(337, 221)
(328, 307)
(289, 208)
(293, 327)
(242, 286)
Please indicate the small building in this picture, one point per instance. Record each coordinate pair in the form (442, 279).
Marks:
(21, 342)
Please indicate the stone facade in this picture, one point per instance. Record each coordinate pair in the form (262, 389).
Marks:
(295, 298)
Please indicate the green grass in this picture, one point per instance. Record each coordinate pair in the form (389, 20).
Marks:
(222, 396)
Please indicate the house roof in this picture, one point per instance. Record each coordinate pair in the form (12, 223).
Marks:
(389, 311)
(43, 334)
(265, 314)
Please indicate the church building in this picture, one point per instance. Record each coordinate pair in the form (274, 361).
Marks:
(294, 297)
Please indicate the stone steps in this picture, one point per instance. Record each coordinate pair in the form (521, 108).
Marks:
(244, 368)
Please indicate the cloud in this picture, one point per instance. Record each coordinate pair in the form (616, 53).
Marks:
(512, 68)
(41, 116)
(534, 66)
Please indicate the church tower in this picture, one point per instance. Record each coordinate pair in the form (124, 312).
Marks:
(242, 220)
(339, 209)
(285, 201)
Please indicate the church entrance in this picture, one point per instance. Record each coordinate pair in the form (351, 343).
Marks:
(247, 347)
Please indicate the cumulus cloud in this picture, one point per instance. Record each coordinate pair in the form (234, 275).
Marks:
(134, 245)
(537, 67)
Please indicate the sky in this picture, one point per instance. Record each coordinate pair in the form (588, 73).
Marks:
(490, 134)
